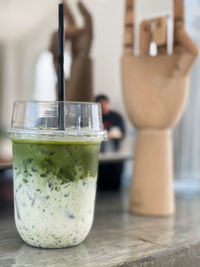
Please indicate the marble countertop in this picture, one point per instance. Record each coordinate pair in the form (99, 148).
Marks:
(117, 238)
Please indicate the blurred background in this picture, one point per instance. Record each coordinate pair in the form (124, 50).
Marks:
(27, 72)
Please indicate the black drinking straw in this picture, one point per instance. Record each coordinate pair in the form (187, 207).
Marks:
(61, 68)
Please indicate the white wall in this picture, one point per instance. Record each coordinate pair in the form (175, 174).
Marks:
(18, 66)
(107, 48)
(10, 80)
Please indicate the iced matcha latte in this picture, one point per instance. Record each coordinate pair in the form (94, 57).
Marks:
(54, 188)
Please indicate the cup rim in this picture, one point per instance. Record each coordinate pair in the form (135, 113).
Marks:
(56, 102)
(17, 133)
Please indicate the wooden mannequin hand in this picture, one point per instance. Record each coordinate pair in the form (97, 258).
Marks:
(155, 92)
(79, 87)
(156, 88)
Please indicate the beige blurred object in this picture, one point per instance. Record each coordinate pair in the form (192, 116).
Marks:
(115, 133)
(155, 92)
(5, 150)
(80, 85)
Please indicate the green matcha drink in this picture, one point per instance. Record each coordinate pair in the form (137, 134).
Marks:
(54, 186)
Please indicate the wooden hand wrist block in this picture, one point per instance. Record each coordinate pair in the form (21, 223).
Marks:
(152, 182)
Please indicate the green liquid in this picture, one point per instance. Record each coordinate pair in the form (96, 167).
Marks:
(67, 161)
(54, 186)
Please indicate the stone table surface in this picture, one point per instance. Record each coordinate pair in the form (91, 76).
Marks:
(117, 238)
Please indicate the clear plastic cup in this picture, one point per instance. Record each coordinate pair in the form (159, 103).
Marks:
(55, 171)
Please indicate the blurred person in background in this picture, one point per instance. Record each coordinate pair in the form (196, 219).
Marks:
(110, 172)
(113, 123)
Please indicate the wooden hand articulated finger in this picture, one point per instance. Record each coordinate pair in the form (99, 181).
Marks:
(129, 26)
(159, 35)
(183, 44)
(87, 17)
(179, 11)
(145, 37)
(68, 15)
